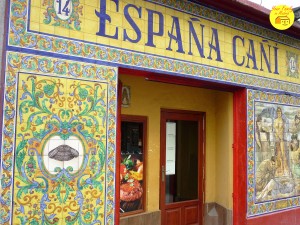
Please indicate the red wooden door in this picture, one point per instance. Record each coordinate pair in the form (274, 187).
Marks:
(182, 167)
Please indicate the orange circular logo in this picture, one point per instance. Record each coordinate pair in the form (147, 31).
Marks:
(282, 17)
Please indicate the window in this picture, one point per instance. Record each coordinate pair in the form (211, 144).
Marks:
(132, 168)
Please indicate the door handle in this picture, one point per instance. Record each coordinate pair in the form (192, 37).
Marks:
(163, 173)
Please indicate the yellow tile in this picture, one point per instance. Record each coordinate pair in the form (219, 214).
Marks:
(116, 19)
(139, 48)
(113, 6)
(91, 27)
(168, 21)
(34, 26)
(194, 50)
(89, 12)
(116, 43)
(36, 3)
(160, 8)
(93, 3)
(127, 45)
(49, 29)
(188, 57)
(170, 11)
(227, 47)
(102, 40)
(76, 34)
(227, 37)
(149, 50)
(196, 59)
(179, 55)
(126, 26)
(159, 52)
(160, 44)
(139, 3)
(63, 32)
(143, 39)
(221, 36)
(90, 37)
(35, 14)
(151, 6)
(221, 64)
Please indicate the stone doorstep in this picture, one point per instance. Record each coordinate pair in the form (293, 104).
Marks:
(214, 214)
(145, 218)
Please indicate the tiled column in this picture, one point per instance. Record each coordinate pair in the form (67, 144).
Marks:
(2, 19)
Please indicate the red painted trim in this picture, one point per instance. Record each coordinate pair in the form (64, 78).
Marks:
(118, 155)
(287, 217)
(239, 157)
(171, 79)
(291, 217)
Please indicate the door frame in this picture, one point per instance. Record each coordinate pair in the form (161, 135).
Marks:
(201, 158)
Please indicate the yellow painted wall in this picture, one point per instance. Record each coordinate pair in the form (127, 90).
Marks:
(224, 141)
(147, 98)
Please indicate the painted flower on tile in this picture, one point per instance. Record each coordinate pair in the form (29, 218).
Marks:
(49, 89)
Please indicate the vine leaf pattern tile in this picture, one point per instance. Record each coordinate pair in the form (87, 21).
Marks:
(60, 120)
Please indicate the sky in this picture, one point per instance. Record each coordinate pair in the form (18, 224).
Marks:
(270, 3)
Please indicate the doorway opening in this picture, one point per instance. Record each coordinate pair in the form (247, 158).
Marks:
(182, 171)
(206, 202)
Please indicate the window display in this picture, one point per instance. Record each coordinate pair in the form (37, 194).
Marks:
(132, 165)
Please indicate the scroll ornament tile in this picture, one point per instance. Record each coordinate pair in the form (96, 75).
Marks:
(60, 151)
(63, 13)
(292, 64)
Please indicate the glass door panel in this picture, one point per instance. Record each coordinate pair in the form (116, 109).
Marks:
(181, 180)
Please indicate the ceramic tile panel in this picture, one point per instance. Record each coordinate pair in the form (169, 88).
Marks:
(58, 143)
(76, 30)
(273, 156)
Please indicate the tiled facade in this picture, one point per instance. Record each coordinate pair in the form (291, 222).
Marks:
(42, 112)
(60, 108)
(2, 35)
(264, 112)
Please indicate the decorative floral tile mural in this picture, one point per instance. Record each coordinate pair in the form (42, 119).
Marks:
(58, 142)
(273, 152)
